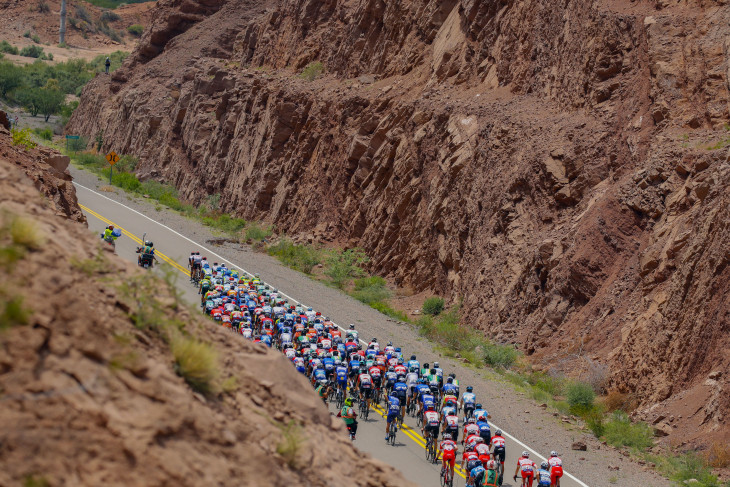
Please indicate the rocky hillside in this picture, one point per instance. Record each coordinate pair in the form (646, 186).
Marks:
(89, 390)
(559, 166)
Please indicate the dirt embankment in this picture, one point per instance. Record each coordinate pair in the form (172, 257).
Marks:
(88, 398)
(47, 168)
(548, 163)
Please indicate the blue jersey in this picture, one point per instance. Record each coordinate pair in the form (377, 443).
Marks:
(266, 339)
(427, 400)
(449, 389)
(483, 427)
(477, 472)
(341, 373)
(400, 388)
(414, 364)
(481, 413)
(391, 377)
(423, 389)
(543, 478)
(329, 363)
(354, 364)
(393, 404)
(320, 374)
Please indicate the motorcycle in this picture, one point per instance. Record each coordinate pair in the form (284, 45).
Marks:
(145, 260)
(116, 233)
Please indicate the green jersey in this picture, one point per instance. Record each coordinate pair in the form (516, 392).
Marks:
(347, 410)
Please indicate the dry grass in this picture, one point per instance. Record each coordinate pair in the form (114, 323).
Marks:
(25, 233)
(718, 455)
(291, 444)
(196, 362)
(614, 401)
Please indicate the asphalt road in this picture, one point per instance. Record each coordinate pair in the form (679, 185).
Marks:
(407, 455)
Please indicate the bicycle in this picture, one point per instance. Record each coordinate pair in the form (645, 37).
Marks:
(391, 432)
(339, 398)
(447, 480)
(364, 409)
(376, 396)
(411, 408)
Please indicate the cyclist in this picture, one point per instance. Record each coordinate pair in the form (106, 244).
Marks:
(498, 447)
(455, 381)
(556, 468)
(413, 364)
(543, 475)
(348, 414)
(468, 402)
(490, 479)
(476, 473)
(431, 422)
(526, 468)
(400, 389)
(393, 412)
(448, 450)
(450, 423)
(365, 385)
(482, 450)
(470, 429)
(390, 379)
(439, 373)
(424, 370)
(341, 376)
(484, 430)
(425, 399)
(323, 390)
(481, 412)
(449, 389)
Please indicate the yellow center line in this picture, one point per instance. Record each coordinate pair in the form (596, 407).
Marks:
(136, 239)
(416, 437)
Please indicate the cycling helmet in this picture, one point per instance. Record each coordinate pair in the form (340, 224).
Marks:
(400, 361)
(391, 369)
(374, 339)
(491, 465)
(348, 402)
(452, 375)
(525, 454)
(319, 345)
(472, 420)
(430, 407)
(449, 380)
(309, 309)
(148, 243)
(390, 344)
(111, 227)
(397, 349)
(469, 388)
(544, 465)
(479, 406)
(413, 357)
(352, 326)
(371, 347)
(323, 382)
(447, 436)
(433, 371)
(436, 365)
(498, 433)
(425, 366)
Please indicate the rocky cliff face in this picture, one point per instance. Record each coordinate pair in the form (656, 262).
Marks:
(545, 161)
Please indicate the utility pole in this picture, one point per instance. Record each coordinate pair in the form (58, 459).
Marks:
(62, 30)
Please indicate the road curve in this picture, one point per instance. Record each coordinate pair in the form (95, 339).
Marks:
(408, 455)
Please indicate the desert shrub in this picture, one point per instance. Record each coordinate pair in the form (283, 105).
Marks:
(31, 51)
(126, 181)
(136, 30)
(26, 34)
(23, 138)
(196, 362)
(312, 71)
(580, 397)
(45, 134)
(35, 38)
(615, 400)
(77, 144)
(718, 455)
(83, 14)
(619, 431)
(43, 7)
(496, 355)
(109, 16)
(343, 266)
(73, 22)
(299, 257)
(370, 290)
(5, 46)
(257, 232)
(291, 444)
(127, 163)
(433, 306)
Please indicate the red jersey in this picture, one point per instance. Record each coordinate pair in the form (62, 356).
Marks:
(401, 369)
(448, 447)
(527, 466)
(497, 442)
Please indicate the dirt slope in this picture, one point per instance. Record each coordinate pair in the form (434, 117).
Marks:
(88, 398)
(546, 162)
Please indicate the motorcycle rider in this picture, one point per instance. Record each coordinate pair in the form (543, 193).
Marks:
(148, 253)
(109, 235)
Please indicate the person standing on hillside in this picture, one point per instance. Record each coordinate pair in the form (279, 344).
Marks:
(107, 63)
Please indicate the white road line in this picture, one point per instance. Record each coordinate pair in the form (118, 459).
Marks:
(299, 302)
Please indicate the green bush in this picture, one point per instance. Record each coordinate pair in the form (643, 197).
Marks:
(26, 34)
(370, 290)
(433, 306)
(299, 257)
(23, 138)
(43, 7)
(387, 310)
(580, 397)
(503, 356)
(45, 134)
(341, 267)
(5, 46)
(257, 232)
(41, 100)
(196, 362)
(124, 180)
(83, 14)
(136, 30)
(76, 145)
(35, 38)
(312, 71)
(32, 51)
(619, 431)
(682, 468)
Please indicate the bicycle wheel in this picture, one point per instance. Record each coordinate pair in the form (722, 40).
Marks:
(444, 477)
(428, 450)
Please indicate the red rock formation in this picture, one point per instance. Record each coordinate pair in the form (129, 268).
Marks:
(525, 156)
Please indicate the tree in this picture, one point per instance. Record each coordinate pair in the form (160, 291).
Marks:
(50, 101)
(62, 30)
(11, 76)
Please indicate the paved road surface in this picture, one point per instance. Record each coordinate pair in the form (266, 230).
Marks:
(407, 455)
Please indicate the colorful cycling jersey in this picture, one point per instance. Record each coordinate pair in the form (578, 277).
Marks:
(526, 465)
(481, 413)
(414, 365)
(498, 442)
(434, 380)
(393, 404)
(329, 363)
(401, 369)
(391, 377)
(411, 378)
(477, 472)
(354, 364)
(555, 462)
(482, 449)
(449, 389)
(483, 427)
(439, 372)
(472, 440)
(341, 373)
(431, 418)
(543, 478)
(320, 374)
(427, 400)
(469, 398)
(449, 411)
(448, 447)
(471, 429)
(374, 372)
(400, 388)
(450, 401)
(365, 381)
(451, 421)
(290, 352)
(423, 389)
